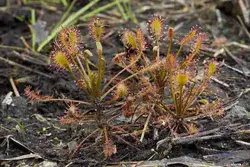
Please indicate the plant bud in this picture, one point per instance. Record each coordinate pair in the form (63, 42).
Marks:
(156, 52)
(203, 101)
(170, 33)
(88, 53)
(99, 47)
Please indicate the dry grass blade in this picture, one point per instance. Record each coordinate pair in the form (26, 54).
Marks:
(24, 67)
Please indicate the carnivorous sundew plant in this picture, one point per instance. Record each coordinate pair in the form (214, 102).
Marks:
(168, 88)
(169, 93)
(68, 55)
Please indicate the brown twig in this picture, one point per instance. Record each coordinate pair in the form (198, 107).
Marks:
(81, 143)
(237, 60)
(232, 68)
(238, 44)
(23, 67)
(30, 59)
(145, 126)
(29, 52)
(220, 82)
(25, 43)
(13, 85)
(243, 143)
(204, 136)
(243, 26)
(245, 11)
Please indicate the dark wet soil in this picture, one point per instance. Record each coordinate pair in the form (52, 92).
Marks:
(43, 134)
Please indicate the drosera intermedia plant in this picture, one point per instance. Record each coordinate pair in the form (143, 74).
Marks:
(68, 55)
(168, 95)
(167, 89)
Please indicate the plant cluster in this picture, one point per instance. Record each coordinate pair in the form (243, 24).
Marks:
(167, 89)
(169, 93)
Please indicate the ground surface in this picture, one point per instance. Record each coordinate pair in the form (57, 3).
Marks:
(223, 141)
